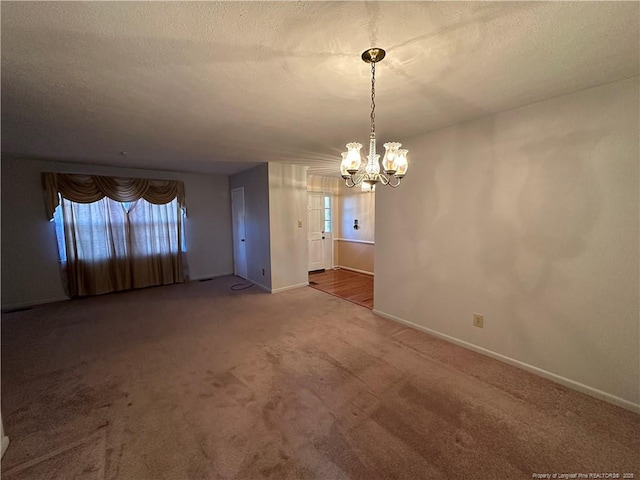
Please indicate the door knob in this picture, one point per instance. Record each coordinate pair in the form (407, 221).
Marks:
(323, 238)
(242, 239)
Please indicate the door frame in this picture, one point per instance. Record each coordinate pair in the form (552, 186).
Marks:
(327, 250)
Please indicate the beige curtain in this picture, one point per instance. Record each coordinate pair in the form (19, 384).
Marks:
(155, 240)
(97, 247)
(91, 188)
(110, 248)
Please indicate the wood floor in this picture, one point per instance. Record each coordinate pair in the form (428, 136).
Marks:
(353, 286)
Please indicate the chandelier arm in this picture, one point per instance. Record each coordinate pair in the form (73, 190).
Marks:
(346, 182)
(384, 180)
(396, 185)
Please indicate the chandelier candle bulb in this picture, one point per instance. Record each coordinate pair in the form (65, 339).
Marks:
(394, 163)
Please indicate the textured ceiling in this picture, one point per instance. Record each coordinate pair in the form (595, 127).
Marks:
(218, 86)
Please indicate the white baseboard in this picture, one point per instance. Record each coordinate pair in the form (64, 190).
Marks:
(278, 290)
(290, 287)
(354, 270)
(14, 306)
(5, 444)
(580, 387)
(259, 285)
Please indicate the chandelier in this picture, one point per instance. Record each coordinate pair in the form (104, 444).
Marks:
(394, 163)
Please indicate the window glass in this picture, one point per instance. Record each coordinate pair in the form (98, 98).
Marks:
(327, 214)
(96, 240)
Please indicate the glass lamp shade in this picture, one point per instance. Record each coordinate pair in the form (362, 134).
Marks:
(389, 162)
(401, 163)
(343, 166)
(353, 159)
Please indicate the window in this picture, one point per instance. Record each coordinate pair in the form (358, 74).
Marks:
(143, 220)
(109, 246)
(327, 214)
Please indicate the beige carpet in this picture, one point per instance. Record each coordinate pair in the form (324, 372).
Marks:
(196, 381)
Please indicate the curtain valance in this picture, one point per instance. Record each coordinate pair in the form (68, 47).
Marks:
(91, 188)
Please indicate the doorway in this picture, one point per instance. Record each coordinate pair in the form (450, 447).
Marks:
(349, 272)
(320, 231)
(239, 243)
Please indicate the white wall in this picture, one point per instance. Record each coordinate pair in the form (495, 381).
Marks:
(275, 197)
(354, 204)
(320, 184)
(257, 230)
(30, 268)
(287, 207)
(355, 249)
(530, 217)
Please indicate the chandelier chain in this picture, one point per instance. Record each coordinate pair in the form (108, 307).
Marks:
(373, 97)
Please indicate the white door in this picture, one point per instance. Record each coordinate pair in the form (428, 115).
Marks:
(239, 244)
(319, 231)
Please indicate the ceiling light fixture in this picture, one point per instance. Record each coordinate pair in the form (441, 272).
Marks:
(394, 163)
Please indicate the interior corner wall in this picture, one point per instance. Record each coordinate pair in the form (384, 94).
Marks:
(288, 226)
(255, 182)
(531, 218)
(30, 264)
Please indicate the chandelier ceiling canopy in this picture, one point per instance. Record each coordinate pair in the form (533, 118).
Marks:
(394, 163)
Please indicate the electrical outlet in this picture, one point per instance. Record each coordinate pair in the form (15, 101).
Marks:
(299, 223)
(263, 271)
(478, 320)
